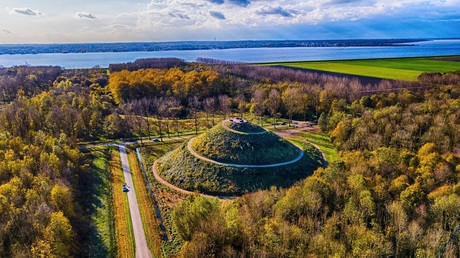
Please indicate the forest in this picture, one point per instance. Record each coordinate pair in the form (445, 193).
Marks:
(394, 190)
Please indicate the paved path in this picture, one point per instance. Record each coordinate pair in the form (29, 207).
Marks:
(193, 152)
(142, 249)
(180, 190)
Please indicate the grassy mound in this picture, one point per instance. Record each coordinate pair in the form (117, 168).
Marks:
(245, 127)
(225, 146)
(184, 170)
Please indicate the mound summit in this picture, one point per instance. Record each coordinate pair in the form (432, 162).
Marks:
(237, 157)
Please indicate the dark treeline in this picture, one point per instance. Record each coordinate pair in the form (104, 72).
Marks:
(399, 167)
(155, 63)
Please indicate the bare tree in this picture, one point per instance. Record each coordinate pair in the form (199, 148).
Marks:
(147, 110)
(209, 106)
(241, 101)
(273, 104)
(158, 104)
(194, 105)
(174, 109)
(224, 103)
(258, 104)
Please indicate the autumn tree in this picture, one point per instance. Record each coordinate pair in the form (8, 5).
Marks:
(273, 104)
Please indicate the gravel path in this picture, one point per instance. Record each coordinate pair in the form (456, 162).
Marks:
(142, 249)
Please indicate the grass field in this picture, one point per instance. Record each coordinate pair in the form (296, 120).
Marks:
(407, 69)
(321, 140)
(165, 197)
(123, 224)
(102, 234)
(149, 220)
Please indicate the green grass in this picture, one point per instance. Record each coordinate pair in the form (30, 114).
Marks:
(258, 149)
(165, 197)
(182, 169)
(102, 230)
(146, 207)
(393, 68)
(323, 141)
(123, 222)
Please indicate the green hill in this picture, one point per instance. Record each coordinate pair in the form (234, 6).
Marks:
(194, 173)
(250, 149)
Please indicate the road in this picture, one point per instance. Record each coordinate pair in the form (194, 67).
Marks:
(142, 249)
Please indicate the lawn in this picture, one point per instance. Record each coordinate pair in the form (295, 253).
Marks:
(102, 233)
(407, 69)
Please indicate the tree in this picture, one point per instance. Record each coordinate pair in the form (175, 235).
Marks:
(158, 106)
(273, 104)
(241, 101)
(292, 99)
(224, 103)
(258, 104)
(60, 234)
(194, 105)
(189, 215)
(209, 106)
(323, 121)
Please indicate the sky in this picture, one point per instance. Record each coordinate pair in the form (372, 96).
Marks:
(66, 21)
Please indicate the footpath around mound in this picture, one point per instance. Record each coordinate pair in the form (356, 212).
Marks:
(226, 127)
(243, 143)
(187, 171)
(190, 149)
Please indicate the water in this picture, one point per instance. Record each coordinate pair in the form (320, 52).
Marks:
(250, 55)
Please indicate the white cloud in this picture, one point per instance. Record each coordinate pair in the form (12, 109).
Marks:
(85, 15)
(25, 11)
(225, 19)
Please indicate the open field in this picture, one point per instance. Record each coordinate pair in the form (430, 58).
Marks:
(407, 69)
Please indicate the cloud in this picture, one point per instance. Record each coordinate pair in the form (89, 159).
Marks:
(216, 1)
(275, 11)
(217, 15)
(180, 16)
(187, 17)
(25, 11)
(243, 3)
(85, 15)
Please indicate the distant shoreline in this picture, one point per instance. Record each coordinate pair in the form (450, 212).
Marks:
(18, 49)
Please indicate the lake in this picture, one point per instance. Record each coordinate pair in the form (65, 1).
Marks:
(250, 55)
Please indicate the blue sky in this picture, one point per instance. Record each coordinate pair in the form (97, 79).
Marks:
(53, 21)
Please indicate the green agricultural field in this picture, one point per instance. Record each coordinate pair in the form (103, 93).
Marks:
(407, 69)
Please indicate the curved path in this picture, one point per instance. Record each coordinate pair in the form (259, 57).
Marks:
(239, 132)
(142, 249)
(286, 133)
(193, 152)
(166, 183)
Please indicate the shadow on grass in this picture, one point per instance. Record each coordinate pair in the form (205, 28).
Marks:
(95, 188)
